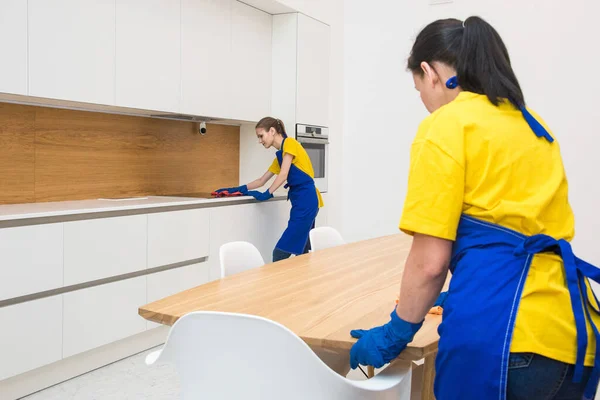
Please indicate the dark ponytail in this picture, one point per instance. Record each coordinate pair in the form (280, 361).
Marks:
(476, 51)
(269, 122)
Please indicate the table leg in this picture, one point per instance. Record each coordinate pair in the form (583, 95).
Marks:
(370, 371)
(428, 377)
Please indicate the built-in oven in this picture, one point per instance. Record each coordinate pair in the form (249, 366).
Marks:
(315, 140)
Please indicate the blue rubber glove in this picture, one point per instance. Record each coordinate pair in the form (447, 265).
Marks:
(381, 345)
(260, 196)
(242, 189)
(441, 299)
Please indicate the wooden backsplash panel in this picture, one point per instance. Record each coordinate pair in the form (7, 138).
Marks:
(78, 155)
(17, 154)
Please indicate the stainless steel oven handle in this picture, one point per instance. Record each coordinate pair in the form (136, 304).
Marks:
(312, 141)
(312, 135)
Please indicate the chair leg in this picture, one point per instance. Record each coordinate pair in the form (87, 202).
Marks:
(370, 371)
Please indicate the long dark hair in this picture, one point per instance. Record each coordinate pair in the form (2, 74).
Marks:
(476, 51)
(269, 122)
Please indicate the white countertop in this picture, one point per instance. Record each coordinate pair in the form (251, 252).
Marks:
(52, 209)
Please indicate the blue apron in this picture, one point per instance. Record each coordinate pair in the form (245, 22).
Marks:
(490, 264)
(305, 207)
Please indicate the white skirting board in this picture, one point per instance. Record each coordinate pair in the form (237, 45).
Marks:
(68, 368)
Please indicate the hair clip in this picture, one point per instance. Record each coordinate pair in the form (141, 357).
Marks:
(452, 83)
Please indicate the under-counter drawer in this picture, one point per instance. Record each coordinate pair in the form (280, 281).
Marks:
(102, 314)
(31, 335)
(105, 247)
(31, 259)
(177, 236)
(167, 283)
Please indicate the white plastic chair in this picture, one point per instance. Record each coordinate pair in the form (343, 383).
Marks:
(325, 237)
(235, 257)
(235, 356)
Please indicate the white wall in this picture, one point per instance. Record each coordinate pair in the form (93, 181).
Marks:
(335, 197)
(552, 50)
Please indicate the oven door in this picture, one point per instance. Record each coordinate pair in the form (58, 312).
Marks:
(317, 150)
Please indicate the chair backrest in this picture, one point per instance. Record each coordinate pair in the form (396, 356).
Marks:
(325, 237)
(235, 356)
(235, 257)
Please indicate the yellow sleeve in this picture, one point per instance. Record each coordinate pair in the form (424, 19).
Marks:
(436, 181)
(290, 146)
(275, 168)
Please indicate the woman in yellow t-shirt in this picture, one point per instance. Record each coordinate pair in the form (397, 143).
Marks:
(488, 199)
(291, 164)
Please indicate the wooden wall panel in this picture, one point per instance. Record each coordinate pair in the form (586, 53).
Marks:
(17, 154)
(74, 155)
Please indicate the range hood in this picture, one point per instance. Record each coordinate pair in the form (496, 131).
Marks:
(80, 106)
(181, 117)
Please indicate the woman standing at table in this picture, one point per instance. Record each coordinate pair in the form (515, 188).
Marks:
(291, 164)
(488, 199)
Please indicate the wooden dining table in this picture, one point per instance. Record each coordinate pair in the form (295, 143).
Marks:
(320, 296)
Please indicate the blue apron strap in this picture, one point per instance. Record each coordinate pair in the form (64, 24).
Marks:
(592, 385)
(576, 304)
(543, 243)
(536, 127)
(588, 270)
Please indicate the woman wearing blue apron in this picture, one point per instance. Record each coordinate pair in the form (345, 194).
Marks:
(487, 199)
(291, 164)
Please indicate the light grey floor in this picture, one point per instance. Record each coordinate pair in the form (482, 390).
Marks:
(127, 379)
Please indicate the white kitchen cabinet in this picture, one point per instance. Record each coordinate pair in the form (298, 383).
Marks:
(31, 335)
(166, 283)
(31, 259)
(105, 247)
(72, 50)
(206, 61)
(229, 224)
(102, 314)
(148, 54)
(301, 59)
(273, 216)
(259, 223)
(177, 236)
(312, 103)
(13, 46)
(251, 72)
(285, 69)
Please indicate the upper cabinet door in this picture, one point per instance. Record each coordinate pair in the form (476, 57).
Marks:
(312, 103)
(13, 46)
(251, 51)
(148, 74)
(206, 62)
(72, 50)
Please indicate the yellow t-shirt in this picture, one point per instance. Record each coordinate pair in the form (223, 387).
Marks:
(301, 160)
(484, 161)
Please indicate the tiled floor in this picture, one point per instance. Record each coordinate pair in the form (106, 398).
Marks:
(127, 379)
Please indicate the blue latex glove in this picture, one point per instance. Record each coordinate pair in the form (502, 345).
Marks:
(260, 196)
(381, 345)
(441, 299)
(242, 189)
